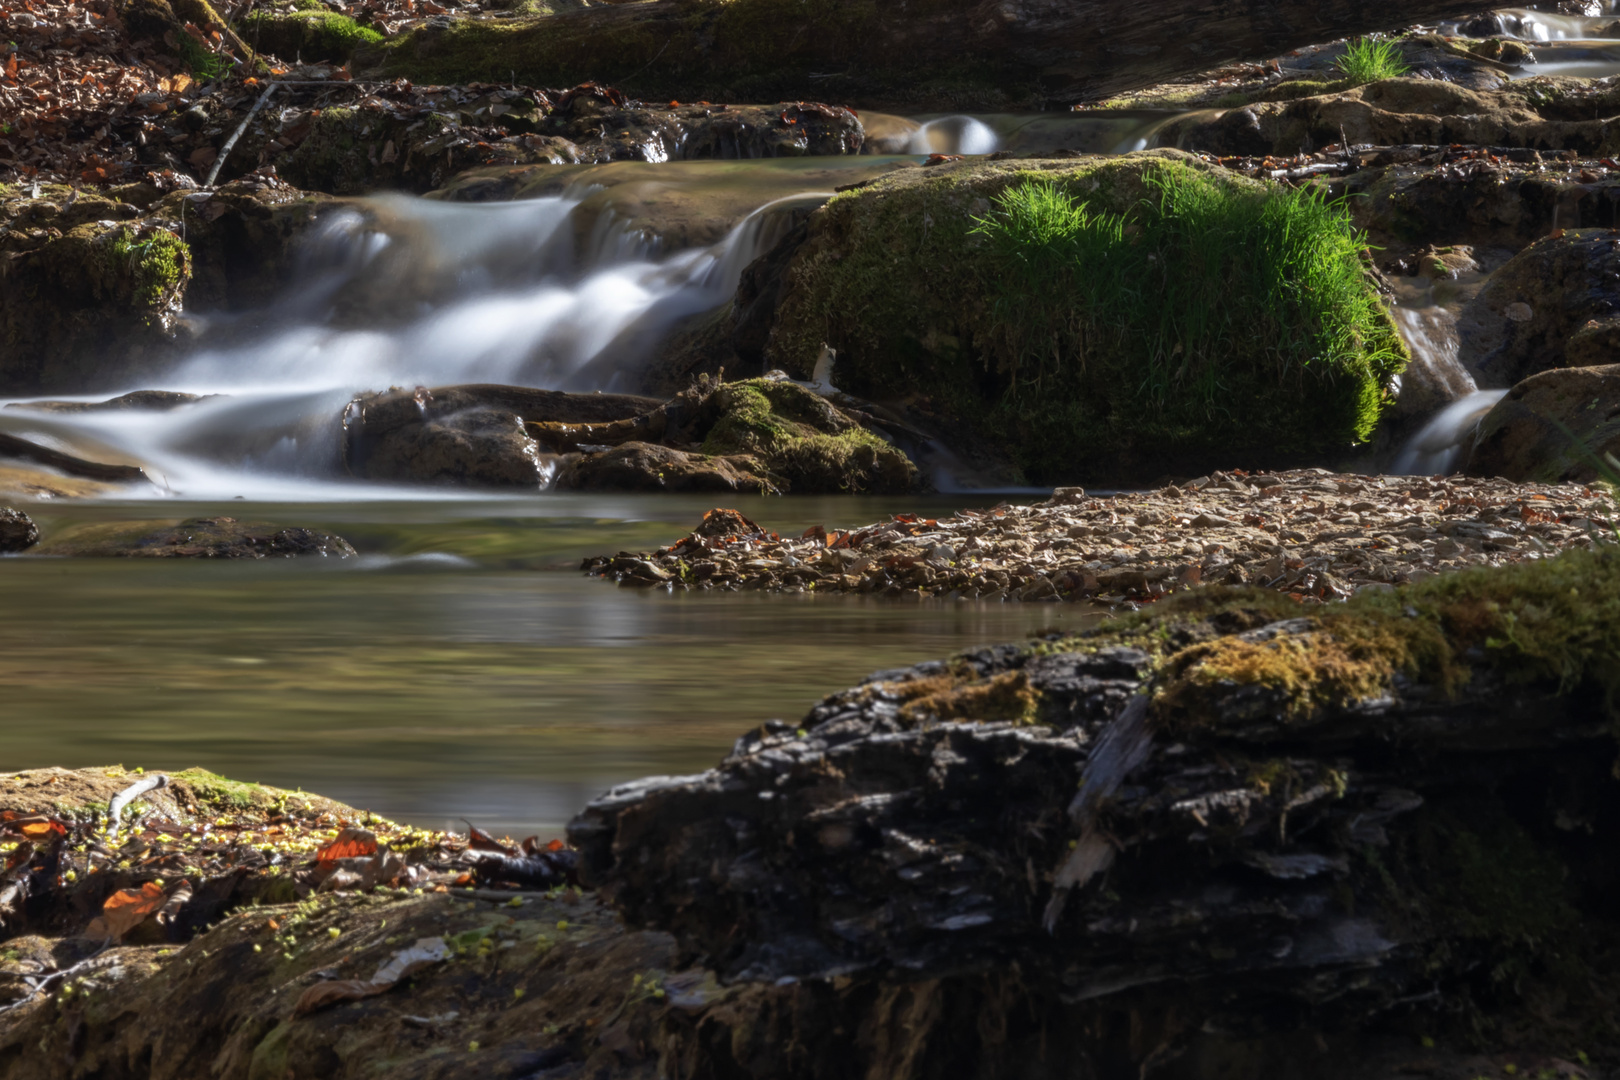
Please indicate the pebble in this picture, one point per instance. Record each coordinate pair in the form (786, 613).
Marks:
(1315, 535)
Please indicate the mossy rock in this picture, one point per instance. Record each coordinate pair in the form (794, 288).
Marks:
(720, 50)
(311, 34)
(89, 292)
(921, 306)
(803, 441)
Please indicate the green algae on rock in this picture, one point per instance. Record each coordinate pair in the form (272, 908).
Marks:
(1153, 310)
(308, 35)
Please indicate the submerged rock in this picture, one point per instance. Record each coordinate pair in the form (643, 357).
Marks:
(1555, 304)
(195, 538)
(17, 530)
(1559, 425)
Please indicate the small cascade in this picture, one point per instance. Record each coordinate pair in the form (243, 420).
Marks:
(409, 292)
(1440, 446)
(1435, 377)
(954, 135)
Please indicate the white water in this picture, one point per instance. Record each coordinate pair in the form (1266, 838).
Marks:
(1439, 447)
(523, 293)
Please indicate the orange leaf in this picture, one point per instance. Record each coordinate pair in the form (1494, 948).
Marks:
(332, 991)
(42, 830)
(128, 908)
(11, 68)
(351, 843)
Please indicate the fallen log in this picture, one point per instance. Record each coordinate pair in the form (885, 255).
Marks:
(963, 51)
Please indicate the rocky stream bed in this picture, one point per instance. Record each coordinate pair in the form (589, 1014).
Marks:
(1329, 790)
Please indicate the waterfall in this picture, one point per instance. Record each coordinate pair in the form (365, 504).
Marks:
(399, 291)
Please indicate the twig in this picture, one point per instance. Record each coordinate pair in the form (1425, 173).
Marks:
(237, 134)
(115, 809)
(34, 991)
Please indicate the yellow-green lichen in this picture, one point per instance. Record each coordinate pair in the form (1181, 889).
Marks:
(1554, 622)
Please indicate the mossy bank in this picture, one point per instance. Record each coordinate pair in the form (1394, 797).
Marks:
(1102, 318)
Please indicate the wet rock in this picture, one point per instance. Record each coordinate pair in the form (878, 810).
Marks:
(473, 435)
(1554, 426)
(135, 401)
(196, 538)
(1555, 304)
(1199, 811)
(475, 447)
(1548, 114)
(17, 530)
(639, 466)
(12, 446)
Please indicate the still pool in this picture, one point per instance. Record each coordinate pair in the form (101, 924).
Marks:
(460, 668)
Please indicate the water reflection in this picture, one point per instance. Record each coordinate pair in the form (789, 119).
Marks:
(427, 690)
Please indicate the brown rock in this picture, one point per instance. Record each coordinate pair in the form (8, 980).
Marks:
(639, 466)
(17, 530)
(1550, 306)
(1552, 426)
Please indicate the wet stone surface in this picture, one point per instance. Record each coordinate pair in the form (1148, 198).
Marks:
(1316, 535)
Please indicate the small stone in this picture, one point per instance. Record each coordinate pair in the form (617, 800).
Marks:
(1211, 521)
(17, 530)
(1519, 311)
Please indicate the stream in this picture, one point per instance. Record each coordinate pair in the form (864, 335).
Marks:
(461, 667)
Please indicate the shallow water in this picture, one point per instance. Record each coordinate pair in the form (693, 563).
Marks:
(460, 668)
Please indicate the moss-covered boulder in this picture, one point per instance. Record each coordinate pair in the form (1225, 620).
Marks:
(804, 441)
(1096, 318)
(314, 34)
(81, 298)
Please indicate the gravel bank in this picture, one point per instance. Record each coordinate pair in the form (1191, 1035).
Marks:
(1310, 533)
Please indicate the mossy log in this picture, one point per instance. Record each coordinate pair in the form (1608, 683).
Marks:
(949, 52)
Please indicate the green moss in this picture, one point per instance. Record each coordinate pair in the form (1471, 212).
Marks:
(805, 444)
(313, 33)
(1555, 622)
(1120, 317)
(223, 794)
(160, 265)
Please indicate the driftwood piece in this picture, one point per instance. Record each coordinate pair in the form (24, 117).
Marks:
(14, 446)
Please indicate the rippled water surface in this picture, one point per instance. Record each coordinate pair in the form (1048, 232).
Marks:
(460, 668)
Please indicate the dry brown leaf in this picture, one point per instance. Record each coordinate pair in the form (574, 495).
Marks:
(127, 909)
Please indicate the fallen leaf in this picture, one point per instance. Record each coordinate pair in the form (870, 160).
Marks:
(479, 840)
(127, 909)
(351, 843)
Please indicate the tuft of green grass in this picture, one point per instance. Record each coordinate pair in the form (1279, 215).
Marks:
(1366, 60)
(1207, 314)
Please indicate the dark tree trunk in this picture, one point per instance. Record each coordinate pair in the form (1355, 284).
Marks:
(957, 53)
